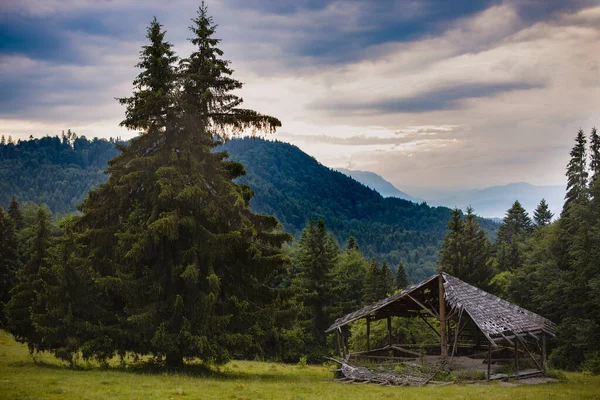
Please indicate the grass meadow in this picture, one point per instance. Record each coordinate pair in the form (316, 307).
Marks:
(47, 378)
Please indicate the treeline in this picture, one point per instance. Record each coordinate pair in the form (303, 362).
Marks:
(550, 267)
(46, 298)
(56, 171)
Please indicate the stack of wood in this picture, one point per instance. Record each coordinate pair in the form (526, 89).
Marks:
(353, 374)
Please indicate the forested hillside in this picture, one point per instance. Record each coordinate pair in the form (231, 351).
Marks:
(293, 186)
(52, 170)
(287, 183)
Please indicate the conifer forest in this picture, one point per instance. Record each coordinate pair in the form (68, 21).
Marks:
(205, 240)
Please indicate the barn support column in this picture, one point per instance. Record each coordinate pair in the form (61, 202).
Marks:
(443, 332)
(389, 324)
(543, 361)
(489, 362)
(339, 348)
(516, 358)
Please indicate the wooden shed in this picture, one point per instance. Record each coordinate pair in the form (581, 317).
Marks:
(471, 322)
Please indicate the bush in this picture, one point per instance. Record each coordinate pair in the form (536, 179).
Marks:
(591, 363)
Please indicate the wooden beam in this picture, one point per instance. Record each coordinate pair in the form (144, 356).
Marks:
(529, 353)
(343, 342)
(339, 348)
(444, 338)
(389, 325)
(429, 325)
(424, 307)
(456, 333)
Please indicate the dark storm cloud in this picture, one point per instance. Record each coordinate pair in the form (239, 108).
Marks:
(324, 33)
(444, 98)
(61, 37)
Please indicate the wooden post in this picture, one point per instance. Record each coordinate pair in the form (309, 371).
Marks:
(543, 352)
(489, 366)
(516, 359)
(389, 324)
(343, 343)
(368, 333)
(339, 348)
(443, 333)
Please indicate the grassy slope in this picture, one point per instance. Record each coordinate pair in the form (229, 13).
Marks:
(20, 378)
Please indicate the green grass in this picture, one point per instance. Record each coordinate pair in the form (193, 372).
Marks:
(48, 378)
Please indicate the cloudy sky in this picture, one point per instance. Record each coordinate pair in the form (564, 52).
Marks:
(429, 94)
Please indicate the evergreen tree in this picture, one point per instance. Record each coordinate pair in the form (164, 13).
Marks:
(513, 231)
(184, 268)
(66, 320)
(466, 251)
(24, 302)
(152, 105)
(542, 215)
(9, 259)
(207, 85)
(401, 276)
(348, 279)
(387, 283)
(14, 211)
(371, 292)
(315, 260)
(352, 244)
(477, 261)
(577, 174)
(451, 257)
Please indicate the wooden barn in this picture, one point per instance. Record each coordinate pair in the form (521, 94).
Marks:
(470, 323)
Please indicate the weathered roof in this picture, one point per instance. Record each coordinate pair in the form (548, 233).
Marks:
(496, 318)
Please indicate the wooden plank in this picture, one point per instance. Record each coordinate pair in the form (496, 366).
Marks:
(489, 365)
(544, 352)
(457, 331)
(389, 326)
(444, 338)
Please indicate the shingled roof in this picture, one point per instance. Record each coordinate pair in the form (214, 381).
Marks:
(497, 319)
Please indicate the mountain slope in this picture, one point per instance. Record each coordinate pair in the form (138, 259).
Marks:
(376, 182)
(287, 183)
(494, 201)
(293, 186)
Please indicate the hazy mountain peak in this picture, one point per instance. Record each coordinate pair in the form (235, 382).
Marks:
(378, 183)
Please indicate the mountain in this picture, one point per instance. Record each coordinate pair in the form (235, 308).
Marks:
(294, 187)
(286, 182)
(495, 201)
(376, 182)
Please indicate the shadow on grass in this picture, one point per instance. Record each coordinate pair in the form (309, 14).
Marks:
(194, 369)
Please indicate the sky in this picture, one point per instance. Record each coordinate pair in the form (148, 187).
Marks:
(430, 94)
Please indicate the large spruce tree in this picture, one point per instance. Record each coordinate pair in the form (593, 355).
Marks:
(577, 173)
(183, 266)
(316, 257)
(542, 215)
(466, 251)
(513, 231)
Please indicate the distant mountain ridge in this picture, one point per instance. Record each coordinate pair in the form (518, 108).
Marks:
(496, 200)
(377, 183)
